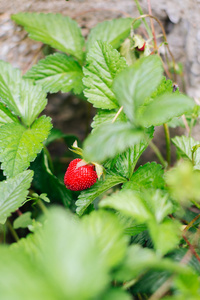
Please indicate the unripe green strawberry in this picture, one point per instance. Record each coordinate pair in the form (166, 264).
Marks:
(79, 178)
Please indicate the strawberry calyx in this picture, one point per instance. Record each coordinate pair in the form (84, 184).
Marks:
(76, 149)
(98, 168)
(139, 42)
(141, 48)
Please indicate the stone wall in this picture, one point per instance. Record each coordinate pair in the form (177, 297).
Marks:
(180, 18)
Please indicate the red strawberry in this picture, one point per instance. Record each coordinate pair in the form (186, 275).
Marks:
(81, 177)
(141, 48)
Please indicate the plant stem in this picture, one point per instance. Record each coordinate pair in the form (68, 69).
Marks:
(152, 26)
(18, 211)
(158, 154)
(42, 206)
(12, 230)
(34, 59)
(191, 248)
(164, 37)
(46, 151)
(196, 204)
(144, 21)
(162, 290)
(128, 284)
(117, 114)
(191, 127)
(188, 129)
(168, 144)
(191, 223)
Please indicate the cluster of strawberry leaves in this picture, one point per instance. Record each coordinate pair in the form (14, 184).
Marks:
(133, 235)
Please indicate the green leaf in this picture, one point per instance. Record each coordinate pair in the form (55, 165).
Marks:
(183, 183)
(103, 64)
(56, 134)
(130, 204)
(147, 176)
(115, 294)
(88, 196)
(165, 86)
(107, 116)
(176, 122)
(108, 235)
(44, 197)
(62, 264)
(138, 260)
(179, 253)
(136, 83)
(6, 116)
(13, 193)
(134, 230)
(31, 281)
(125, 163)
(31, 244)
(113, 32)
(21, 96)
(159, 204)
(57, 72)
(150, 207)
(32, 101)
(188, 284)
(185, 145)
(71, 257)
(150, 282)
(19, 146)
(23, 221)
(55, 30)
(164, 108)
(143, 207)
(46, 182)
(109, 140)
(165, 236)
(10, 81)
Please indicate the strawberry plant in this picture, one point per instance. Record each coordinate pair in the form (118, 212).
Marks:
(107, 226)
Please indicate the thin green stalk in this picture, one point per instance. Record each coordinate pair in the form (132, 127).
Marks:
(88, 119)
(128, 284)
(191, 223)
(162, 290)
(12, 230)
(152, 26)
(143, 19)
(46, 151)
(158, 154)
(164, 37)
(188, 129)
(42, 206)
(196, 204)
(191, 127)
(168, 144)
